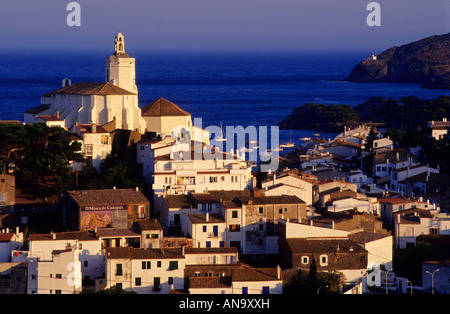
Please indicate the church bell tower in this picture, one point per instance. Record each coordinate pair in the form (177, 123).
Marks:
(120, 68)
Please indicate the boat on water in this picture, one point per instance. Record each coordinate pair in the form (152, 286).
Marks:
(288, 144)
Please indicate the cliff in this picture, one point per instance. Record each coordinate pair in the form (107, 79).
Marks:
(426, 61)
(408, 112)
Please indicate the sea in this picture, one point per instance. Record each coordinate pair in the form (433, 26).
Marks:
(223, 88)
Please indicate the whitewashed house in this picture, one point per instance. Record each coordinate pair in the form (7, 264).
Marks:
(439, 129)
(89, 250)
(207, 230)
(411, 223)
(96, 144)
(379, 246)
(145, 271)
(9, 241)
(59, 275)
(289, 183)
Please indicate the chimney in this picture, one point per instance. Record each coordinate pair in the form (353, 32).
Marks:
(57, 114)
(278, 272)
(183, 251)
(207, 216)
(93, 128)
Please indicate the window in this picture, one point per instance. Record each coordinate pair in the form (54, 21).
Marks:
(234, 214)
(265, 290)
(85, 263)
(212, 179)
(197, 274)
(244, 290)
(234, 228)
(58, 276)
(119, 270)
(261, 210)
(137, 281)
(146, 265)
(170, 280)
(222, 178)
(173, 265)
(434, 231)
(261, 227)
(158, 264)
(323, 260)
(57, 291)
(104, 139)
(305, 260)
(89, 149)
(204, 228)
(280, 211)
(208, 243)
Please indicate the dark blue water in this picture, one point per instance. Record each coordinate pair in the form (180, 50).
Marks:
(232, 89)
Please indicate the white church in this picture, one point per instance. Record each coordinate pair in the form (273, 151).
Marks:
(116, 99)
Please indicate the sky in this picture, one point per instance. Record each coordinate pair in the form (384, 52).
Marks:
(220, 25)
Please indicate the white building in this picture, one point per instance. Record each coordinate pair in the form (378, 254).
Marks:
(411, 223)
(359, 178)
(398, 176)
(96, 143)
(59, 275)
(207, 230)
(100, 103)
(368, 206)
(379, 246)
(9, 241)
(89, 250)
(439, 129)
(145, 271)
(288, 183)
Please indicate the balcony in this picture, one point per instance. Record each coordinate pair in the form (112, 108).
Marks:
(212, 235)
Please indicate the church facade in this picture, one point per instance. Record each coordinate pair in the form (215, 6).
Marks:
(116, 99)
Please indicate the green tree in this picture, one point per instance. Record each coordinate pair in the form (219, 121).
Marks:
(41, 156)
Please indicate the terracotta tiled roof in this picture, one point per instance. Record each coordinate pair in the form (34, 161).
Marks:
(217, 250)
(108, 196)
(201, 218)
(38, 109)
(255, 274)
(116, 232)
(365, 237)
(90, 88)
(179, 201)
(87, 128)
(50, 118)
(71, 235)
(136, 253)
(210, 282)
(6, 237)
(396, 200)
(163, 107)
(145, 224)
